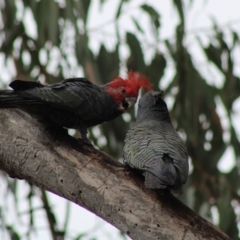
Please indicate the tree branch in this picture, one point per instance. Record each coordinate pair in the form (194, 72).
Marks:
(56, 162)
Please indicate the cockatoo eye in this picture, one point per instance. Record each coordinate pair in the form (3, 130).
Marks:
(123, 90)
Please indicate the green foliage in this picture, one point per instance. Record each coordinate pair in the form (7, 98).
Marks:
(153, 14)
(62, 34)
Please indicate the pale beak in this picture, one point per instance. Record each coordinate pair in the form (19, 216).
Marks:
(130, 101)
(127, 103)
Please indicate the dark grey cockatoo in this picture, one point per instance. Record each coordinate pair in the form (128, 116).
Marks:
(153, 146)
(75, 103)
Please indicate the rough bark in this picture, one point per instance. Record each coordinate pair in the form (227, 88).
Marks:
(56, 162)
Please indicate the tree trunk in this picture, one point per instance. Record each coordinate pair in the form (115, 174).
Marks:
(56, 162)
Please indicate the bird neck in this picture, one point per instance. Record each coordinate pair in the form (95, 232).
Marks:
(153, 114)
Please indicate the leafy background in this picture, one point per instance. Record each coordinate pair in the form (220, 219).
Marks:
(198, 69)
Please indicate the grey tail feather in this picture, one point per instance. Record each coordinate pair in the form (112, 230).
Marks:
(9, 99)
(177, 186)
(6, 92)
(166, 177)
(6, 98)
(151, 181)
(178, 190)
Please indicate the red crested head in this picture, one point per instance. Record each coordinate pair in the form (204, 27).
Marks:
(123, 89)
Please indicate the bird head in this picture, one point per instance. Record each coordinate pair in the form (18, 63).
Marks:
(125, 91)
(152, 99)
(151, 105)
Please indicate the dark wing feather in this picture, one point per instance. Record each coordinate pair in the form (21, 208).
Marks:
(73, 103)
(69, 94)
(20, 85)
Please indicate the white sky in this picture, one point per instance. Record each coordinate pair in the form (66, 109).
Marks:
(102, 29)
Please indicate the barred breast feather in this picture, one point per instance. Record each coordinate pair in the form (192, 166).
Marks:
(154, 147)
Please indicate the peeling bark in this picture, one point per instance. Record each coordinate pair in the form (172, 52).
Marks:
(56, 162)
